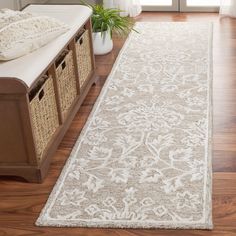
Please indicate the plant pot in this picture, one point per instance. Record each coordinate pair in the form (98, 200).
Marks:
(102, 43)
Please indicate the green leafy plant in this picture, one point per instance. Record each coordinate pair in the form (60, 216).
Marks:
(104, 19)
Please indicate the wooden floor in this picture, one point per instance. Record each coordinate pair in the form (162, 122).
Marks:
(20, 202)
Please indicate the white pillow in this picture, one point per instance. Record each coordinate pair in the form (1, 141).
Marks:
(22, 32)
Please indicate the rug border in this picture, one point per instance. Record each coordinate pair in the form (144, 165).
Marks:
(42, 221)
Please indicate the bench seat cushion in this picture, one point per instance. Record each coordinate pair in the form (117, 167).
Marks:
(22, 32)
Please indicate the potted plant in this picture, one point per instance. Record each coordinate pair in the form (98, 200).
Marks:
(105, 22)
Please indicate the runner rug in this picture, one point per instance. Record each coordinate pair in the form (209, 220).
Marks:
(143, 159)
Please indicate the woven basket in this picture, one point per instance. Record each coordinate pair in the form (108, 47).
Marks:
(44, 116)
(66, 81)
(84, 57)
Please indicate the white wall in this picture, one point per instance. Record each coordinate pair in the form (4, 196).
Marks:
(12, 4)
(16, 5)
(72, 1)
(26, 2)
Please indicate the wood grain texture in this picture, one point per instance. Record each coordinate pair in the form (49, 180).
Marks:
(21, 202)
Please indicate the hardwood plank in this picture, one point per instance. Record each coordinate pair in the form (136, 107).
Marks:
(21, 202)
(224, 161)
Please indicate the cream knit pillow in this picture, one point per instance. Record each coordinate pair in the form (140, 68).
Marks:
(22, 33)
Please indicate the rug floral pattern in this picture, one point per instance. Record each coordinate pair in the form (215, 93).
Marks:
(143, 158)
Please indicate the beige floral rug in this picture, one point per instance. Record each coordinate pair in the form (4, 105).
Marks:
(143, 159)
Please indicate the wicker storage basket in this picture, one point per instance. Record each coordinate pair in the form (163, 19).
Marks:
(84, 59)
(44, 115)
(66, 81)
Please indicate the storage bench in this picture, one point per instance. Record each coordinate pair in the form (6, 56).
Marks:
(41, 92)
